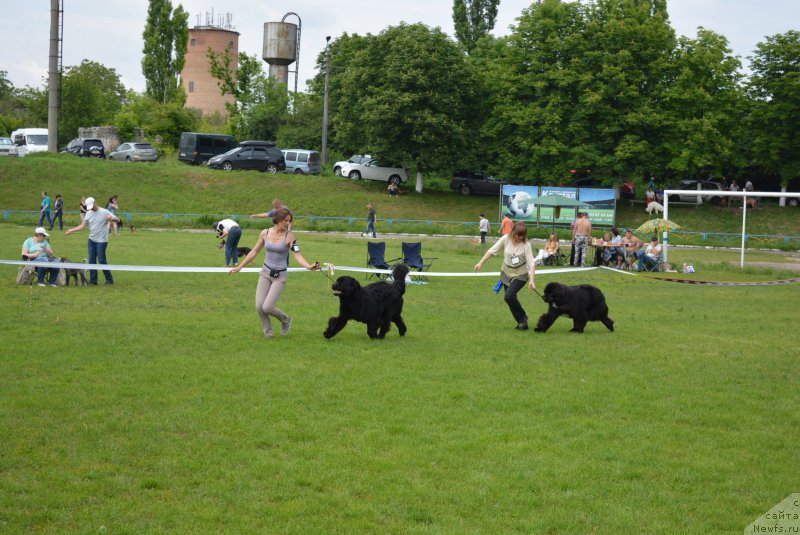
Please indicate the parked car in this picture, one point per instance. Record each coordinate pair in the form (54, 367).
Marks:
(7, 147)
(197, 147)
(252, 155)
(133, 151)
(375, 170)
(301, 161)
(355, 158)
(469, 183)
(86, 148)
(30, 140)
(705, 186)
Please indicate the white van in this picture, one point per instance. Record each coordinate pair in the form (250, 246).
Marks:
(30, 140)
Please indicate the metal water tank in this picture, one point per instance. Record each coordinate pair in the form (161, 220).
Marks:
(280, 48)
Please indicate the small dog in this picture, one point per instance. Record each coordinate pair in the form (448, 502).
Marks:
(75, 273)
(377, 305)
(582, 303)
(241, 252)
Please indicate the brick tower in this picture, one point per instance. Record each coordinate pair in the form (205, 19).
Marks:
(202, 91)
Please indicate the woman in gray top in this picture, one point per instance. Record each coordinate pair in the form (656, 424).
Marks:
(278, 240)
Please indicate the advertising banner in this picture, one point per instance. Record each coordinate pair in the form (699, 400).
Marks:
(567, 213)
(603, 205)
(517, 202)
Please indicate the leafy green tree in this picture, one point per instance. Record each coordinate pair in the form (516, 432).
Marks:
(303, 128)
(92, 95)
(534, 80)
(261, 102)
(473, 19)
(6, 87)
(409, 98)
(343, 51)
(166, 39)
(619, 124)
(161, 124)
(775, 89)
(704, 103)
(30, 105)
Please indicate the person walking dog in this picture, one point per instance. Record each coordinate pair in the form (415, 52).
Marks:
(519, 267)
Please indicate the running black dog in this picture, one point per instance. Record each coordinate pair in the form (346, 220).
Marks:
(377, 305)
(582, 303)
(241, 252)
(72, 273)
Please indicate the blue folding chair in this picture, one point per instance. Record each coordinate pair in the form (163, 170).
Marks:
(412, 257)
(376, 252)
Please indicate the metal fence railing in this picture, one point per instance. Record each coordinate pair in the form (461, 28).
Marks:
(32, 216)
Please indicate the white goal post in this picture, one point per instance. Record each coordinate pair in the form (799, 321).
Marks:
(715, 193)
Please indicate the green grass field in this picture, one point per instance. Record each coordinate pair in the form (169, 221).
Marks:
(156, 406)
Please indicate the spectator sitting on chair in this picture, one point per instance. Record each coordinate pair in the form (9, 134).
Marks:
(650, 256)
(38, 249)
(392, 189)
(631, 245)
(551, 247)
(615, 253)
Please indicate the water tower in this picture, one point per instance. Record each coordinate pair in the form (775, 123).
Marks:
(282, 48)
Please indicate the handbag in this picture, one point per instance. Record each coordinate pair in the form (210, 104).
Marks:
(25, 275)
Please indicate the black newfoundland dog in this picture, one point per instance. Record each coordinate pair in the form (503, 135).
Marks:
(377, 305)
(582, 303)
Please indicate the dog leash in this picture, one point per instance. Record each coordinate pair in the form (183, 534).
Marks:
(329, 271)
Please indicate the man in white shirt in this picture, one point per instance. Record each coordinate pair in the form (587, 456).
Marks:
(96, 219)
(650, 256)
(483, 225)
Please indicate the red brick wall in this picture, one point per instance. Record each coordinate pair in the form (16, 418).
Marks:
(205, 94)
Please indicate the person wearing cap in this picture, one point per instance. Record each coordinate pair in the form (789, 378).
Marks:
(97, 220)
(231, 232)
(648, 258)
(37, 249)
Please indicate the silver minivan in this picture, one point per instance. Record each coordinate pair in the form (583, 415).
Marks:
(301, 161)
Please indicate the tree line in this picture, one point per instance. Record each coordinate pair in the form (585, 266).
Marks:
(603, 88)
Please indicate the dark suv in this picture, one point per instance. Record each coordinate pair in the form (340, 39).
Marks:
(88, 148)
(253, 155)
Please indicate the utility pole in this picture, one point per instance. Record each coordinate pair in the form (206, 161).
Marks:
(54, 74)
(325, 101)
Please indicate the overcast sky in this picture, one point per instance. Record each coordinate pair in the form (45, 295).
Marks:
(111, 32)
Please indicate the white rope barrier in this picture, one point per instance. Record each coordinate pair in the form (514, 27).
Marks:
(329, 267)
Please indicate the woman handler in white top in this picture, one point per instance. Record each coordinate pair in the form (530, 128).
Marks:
(518, 268)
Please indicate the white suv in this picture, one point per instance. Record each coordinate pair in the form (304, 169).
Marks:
(355, 158)
(375, 170)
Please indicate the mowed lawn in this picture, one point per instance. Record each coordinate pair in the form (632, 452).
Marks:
(156, 406)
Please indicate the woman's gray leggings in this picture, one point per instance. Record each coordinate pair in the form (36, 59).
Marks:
(268, 292)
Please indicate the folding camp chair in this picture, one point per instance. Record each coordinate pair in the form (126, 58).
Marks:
(412, 257)
(557, 259)
(375, 258)
(658, 265)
